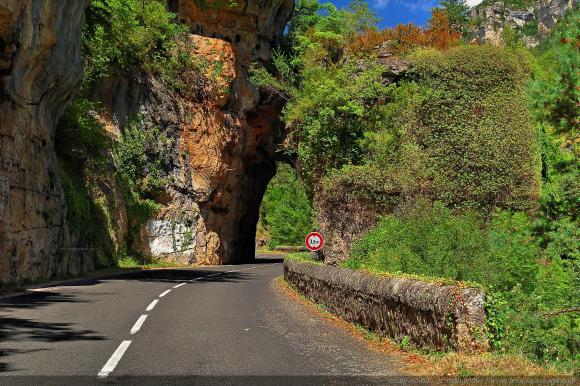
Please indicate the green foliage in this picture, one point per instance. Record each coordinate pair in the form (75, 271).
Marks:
(523, 298)
(530, 28)
(460, 118)
(302, 257)
(279, 84)
(474, 124)
(511, 38)
(510, 4)
(555, 91)
(458, 13)
(128, 262)
(135, 37)
(125, 34)
(332, 110)
(286, 213)
(78, 203)
(84, 215)
(138, 171)
(79, 135)
(432, 241)
(81, 145)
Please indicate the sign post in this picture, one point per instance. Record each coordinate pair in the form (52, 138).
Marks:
(314, 241)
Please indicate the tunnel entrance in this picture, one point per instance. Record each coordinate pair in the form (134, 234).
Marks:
(285, 213)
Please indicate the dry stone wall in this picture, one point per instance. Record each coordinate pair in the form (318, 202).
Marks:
(429, 315)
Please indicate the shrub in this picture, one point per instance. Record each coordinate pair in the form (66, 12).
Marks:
(473, 122)
(529, 305)
(432, 241)
(331, 112)
(125, 34)
(79, 135)
(139, 172)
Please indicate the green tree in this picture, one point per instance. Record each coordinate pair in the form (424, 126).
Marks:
(286, 214)
(458, 14)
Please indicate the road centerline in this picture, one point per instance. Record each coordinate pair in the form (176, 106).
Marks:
(138, 324)
(120, 351)
(114, 359)
(152, 305)
(164, 293)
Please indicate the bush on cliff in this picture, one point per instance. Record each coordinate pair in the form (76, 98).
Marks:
(457, 129)
(123, 35)
(473, 123)
(459, 115)
(433, 241)
(81, 145)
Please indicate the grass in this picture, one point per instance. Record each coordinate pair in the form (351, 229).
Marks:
(424, 363)
(130, 262)
(302, 257)
(305, 257)
(268, 251)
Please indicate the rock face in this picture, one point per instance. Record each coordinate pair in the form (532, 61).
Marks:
(221, 145)
(252, 25)
(534, 22)
(40, 70)
(429, 315)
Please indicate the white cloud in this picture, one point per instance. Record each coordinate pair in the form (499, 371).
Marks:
(413, 5)
(381, 4)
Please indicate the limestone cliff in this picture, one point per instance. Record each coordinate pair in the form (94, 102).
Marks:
(221, 142)
(533, 21)
(215, 145)
(40, 70)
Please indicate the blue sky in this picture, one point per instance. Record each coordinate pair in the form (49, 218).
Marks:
(394, 12)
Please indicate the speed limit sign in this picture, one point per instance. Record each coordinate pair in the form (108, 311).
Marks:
(314, 241)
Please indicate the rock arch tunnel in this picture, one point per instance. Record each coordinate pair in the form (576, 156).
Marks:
(228, 147)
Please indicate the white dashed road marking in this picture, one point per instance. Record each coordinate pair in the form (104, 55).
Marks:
(137, 326)
(114, 360)
(118, 354)
(164, 293)
(152, 305)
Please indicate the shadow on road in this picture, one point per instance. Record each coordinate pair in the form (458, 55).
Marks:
(15, 329)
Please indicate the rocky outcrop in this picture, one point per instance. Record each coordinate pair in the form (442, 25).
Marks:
(40, 70)
(220, 145)
(252, 25)
(428, 315)
(533, 22)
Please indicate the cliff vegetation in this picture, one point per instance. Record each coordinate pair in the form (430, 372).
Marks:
(440, 158)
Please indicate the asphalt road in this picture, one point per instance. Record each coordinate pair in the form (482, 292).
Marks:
(216, 325)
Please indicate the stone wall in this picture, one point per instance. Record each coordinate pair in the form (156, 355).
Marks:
(342, 222)
(433, 316)
(40, 71)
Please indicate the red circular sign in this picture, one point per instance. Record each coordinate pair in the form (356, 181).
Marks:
(314, 241)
